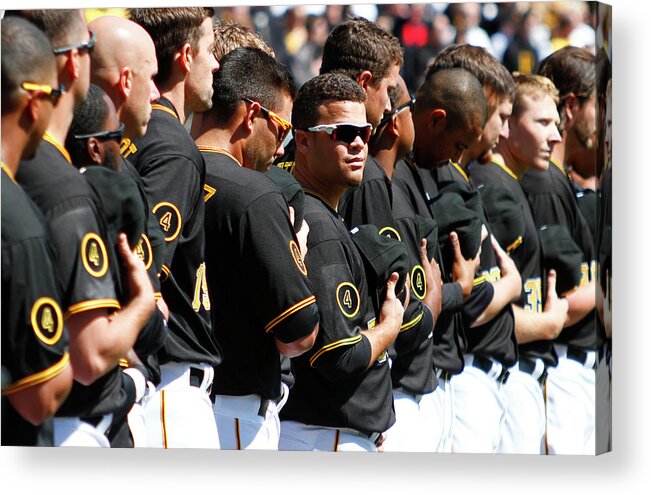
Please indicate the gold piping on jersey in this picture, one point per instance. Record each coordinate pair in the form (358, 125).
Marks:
(157, 106)
(97, 258)
(221, 151)
(157, 296)
(480, 280)
(38, 378)
(335, 447)
(288, 312)
(347, 299)
(8, 172)
(411, 324)
(51, 320)
(334, 345)
(238, 441)
(94, 304)
(461, 171)
(52, 140)
(210, 192)
(298, 257)
(514, 244)
(165, 221)
(123, 363)
(390, 230)
(503, 166)
(162, 418)
(164, 273)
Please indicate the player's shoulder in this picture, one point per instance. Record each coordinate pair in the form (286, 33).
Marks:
(21, 218)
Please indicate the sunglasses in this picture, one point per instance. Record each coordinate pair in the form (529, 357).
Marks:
(53, 93)
(84, 45)
(115, 135)
(410, 104)
(283, 126)
(345, 132)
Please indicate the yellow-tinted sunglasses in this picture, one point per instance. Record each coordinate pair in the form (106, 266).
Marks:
(283, 125)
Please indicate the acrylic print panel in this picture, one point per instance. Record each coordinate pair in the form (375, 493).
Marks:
(461, 385)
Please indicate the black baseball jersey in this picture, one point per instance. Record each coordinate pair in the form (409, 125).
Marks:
(527, 256)
(173, 174)
(260, 290)
(552, 201)
(449, 338)
(84, 260)
(333, 386)
(495, 338)
(34, 337)
(286, 162)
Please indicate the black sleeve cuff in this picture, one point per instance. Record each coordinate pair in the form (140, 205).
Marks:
(410, 339)
(350, 361)
(152, 336)
(451, 298)
(479, 299)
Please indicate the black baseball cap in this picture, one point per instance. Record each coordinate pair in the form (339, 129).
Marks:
(561, 253)
(504, 214)
(291, 191)
(471, 198)
(382, 256)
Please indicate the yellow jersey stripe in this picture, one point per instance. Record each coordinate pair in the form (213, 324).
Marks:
(480, 280)
(94, 304)
(558, 166)
(288, 312)
(335, 345)
(8, 172)
(52, 140)
(514, 244)
(37, 378)
(461, 171)
(503, 166)
(157, 106)
(411, 324)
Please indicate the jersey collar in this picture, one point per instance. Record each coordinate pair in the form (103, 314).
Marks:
(8, 172)
(52, 140)
(461, 171)
(221, 151)
(316, 195)
(166, 106)
(503, 166)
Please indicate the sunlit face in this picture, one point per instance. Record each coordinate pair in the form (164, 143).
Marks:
(406, 123)
(263, 146)
(199, 81)
(335, 162)
(496, 128)
(534, 133)
(137, 107)
(377, 96)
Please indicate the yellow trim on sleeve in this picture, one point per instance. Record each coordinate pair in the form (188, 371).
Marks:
(411, 324)
(480, 280)
(288, 312)
(340, 343)
(157, 106)
(514, 244)
(158, 296)
(38, 378)
(94, 304)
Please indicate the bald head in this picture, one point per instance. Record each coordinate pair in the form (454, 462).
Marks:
(124, 65)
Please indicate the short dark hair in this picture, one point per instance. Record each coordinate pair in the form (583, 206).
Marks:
(459, 93)
(61, 26)
(170, 29)
(481, 64)
(89, 117)
(572, 70)
(249, 73)
(26, 56)
(317, 91)
(357, 45)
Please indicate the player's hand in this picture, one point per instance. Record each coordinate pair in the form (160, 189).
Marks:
(432, 280)
(555, 308)
(392, 309)
(136, 277)
(463, 270)
(508, 270)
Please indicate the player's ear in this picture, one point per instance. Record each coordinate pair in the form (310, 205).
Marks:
(437, 120)
(301, 141)
(570, 106)
(364, 80)
(95, 151)
(393, 126)
(125, 82)
(184, 58)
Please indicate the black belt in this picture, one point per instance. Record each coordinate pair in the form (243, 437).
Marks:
(528, 366)
(196, 378)
(577, 355)
(486, 365)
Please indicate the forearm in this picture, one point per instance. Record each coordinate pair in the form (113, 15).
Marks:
(503, 294)
(381, 336)
(581, 302)
(530, 326)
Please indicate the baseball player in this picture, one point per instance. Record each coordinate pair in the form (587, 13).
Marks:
(571, 384)
(99, 335)
(533, 133)
(417, 428)
(36, 370)
(488, 319)
(341, 400)
(173, 173)
(443, 129)
(252, 252)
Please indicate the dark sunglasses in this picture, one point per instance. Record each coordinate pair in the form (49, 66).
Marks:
(53, 93)
(115, 135)
(345, 132)
(410, 104)
(282, 125)
(84, 45)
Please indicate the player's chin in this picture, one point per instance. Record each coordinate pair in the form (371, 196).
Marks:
(541, 163)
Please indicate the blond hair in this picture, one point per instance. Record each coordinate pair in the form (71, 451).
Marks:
(533, 86)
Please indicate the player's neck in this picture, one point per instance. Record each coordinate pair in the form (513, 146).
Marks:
(176, 96)
(12, 144)
(331, 194)
(387, 159)
(559, 151)
(62, 118)
(222, 139)
(510, 161)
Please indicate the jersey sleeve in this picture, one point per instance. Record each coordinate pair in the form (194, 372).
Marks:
(276, 273)
(34, 336)
(173, 186)
(84, 265)
(340, 350)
